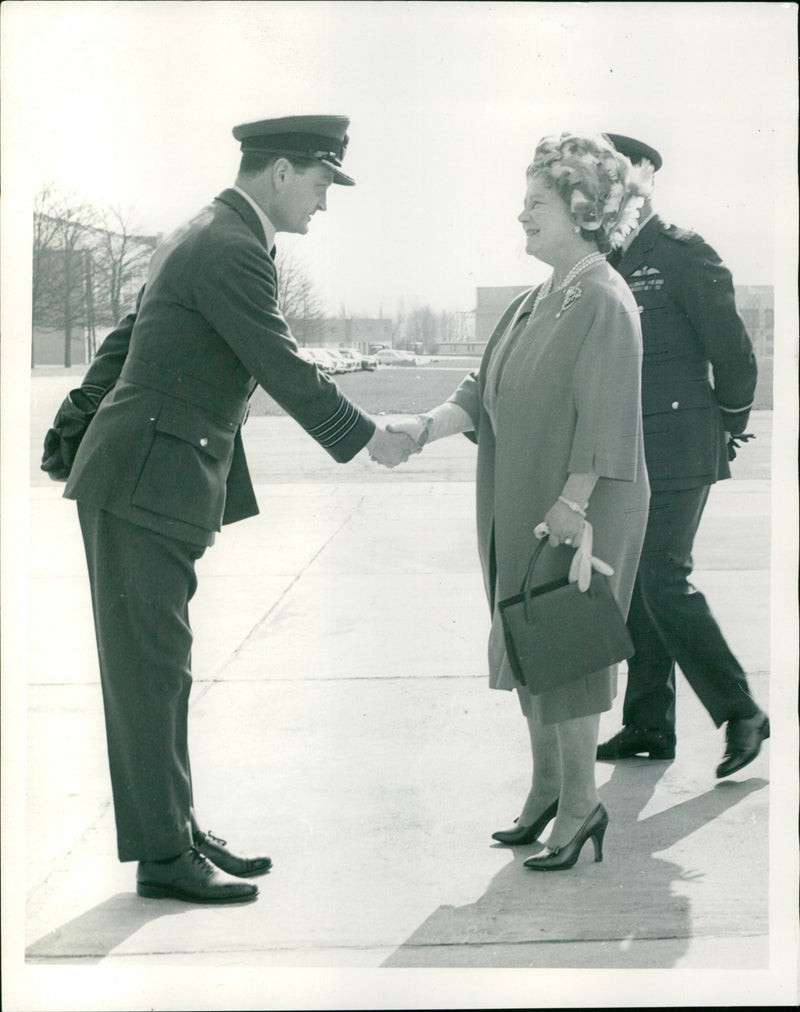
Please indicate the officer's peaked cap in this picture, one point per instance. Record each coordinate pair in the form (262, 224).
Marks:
(321, 137)
(635, 150)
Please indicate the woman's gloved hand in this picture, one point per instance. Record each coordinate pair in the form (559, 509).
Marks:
(583, 562)
(564, 525)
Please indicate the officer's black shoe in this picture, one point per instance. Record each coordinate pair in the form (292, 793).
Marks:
(216, 850)
(192, 878)
(632, 741)
(743, 740)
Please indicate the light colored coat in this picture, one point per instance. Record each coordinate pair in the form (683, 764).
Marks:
(565, 398)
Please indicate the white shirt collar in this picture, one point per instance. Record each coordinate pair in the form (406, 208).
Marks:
(269, 228)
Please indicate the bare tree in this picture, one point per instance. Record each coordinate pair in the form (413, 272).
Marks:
(299, 299)
(88, 264)
(421, 329)
(45, 231)
(62, 232)
(120, 262)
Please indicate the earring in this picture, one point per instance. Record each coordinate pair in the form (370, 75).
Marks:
(576, 229)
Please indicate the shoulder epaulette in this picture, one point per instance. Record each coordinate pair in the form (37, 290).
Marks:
(684, 235)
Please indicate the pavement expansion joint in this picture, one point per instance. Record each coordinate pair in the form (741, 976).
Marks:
(310, 680)
(298, 576)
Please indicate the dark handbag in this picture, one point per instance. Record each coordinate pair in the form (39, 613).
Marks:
(556, 632)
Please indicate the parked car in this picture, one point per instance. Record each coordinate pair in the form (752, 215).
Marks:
(344, 362)
(393, 356)
(323, 359)
(357, 358)
(350, 363)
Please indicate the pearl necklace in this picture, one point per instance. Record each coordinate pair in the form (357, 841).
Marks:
(580, 266)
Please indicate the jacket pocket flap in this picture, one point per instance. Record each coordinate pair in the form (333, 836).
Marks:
(678, 396)
(185, 422)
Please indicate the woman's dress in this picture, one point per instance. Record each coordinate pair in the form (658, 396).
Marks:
(559, 392)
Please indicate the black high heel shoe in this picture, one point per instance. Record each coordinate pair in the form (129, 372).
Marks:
(566, 856)
(526, 834)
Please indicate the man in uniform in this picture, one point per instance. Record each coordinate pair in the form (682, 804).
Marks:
(161, 467)
(690, 329)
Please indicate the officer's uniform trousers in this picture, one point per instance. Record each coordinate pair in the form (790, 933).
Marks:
(670, 621)
(141, 584)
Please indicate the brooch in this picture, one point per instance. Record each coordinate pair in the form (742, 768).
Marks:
(571, 295)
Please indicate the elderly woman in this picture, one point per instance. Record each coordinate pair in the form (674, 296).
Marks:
(555, 410)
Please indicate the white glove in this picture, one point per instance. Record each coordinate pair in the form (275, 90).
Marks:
(583, 562)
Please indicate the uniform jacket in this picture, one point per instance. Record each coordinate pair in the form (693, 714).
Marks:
(164, 449)
(698, 370)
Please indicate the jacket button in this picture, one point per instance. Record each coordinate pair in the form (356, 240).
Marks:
(675, 405)
(640, 308)
(204, 441)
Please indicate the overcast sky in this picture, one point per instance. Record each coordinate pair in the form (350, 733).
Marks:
(133, 104)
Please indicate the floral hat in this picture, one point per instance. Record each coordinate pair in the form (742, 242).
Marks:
(602, 188)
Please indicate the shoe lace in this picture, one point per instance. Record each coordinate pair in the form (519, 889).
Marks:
(197, 858)
(215, 839)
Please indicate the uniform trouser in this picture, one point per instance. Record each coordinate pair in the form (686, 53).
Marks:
(141, 584)
(670, 621)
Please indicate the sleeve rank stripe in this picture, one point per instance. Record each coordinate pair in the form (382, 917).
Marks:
(734, 411)
(335, 428)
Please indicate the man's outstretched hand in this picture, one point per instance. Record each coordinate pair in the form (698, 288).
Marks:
(390, 448)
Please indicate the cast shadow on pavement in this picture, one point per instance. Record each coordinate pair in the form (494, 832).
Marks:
(601, 914)
(94, 934)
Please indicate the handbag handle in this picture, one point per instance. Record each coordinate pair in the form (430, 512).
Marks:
(526, 597)
(584, 549)
(536, 553)
(580, 570)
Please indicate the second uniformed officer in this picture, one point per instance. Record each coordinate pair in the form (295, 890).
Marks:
(689, 322)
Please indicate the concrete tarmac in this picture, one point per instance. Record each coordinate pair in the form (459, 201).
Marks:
(341, 722)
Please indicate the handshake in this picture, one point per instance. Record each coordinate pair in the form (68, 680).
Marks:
(397, 439)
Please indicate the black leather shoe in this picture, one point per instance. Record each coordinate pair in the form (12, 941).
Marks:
(190, 877)
(743, 740)
(216, 850)
(526, 834)
(632, 741)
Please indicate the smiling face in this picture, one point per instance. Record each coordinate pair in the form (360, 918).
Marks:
(547, 222)
(300, 193)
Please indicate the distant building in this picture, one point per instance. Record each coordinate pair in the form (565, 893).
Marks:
(48, 346)
(468, 335)
(463, 340)
(489, 306)
(478, 325)
(753, 302)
